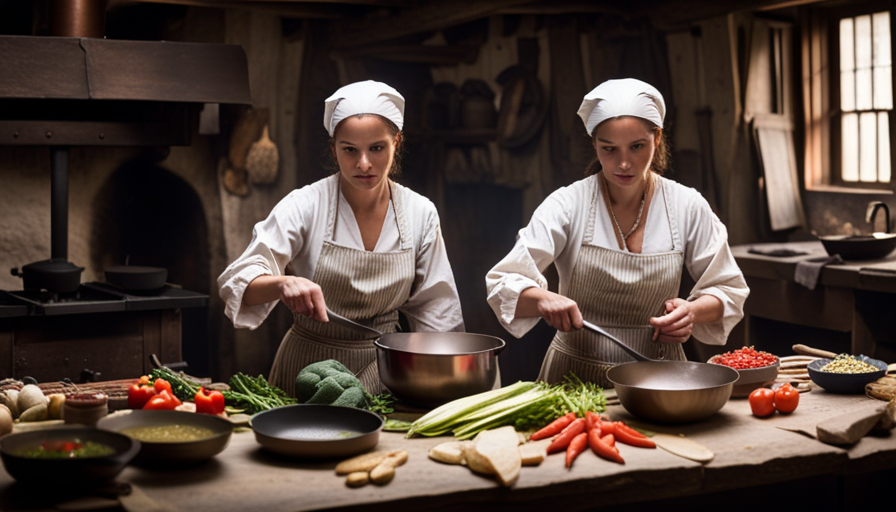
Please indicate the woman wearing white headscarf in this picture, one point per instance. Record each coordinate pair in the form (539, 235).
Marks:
(619, 239)
(359, 243)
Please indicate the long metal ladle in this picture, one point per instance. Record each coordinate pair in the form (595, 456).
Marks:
(630, 351)
(355, 326)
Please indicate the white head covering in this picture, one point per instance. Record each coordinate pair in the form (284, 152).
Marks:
(624, 97)
(366, 97)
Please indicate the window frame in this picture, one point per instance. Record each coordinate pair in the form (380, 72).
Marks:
(834, 83)
(821, 74)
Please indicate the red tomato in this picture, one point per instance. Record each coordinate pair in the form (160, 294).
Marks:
(786, 399)
(161, 385)
(762, 402)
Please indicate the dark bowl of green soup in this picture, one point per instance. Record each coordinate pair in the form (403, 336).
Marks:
(71, 455)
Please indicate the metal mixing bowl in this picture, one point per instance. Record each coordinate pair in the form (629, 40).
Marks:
(432, 368)
(672, 391)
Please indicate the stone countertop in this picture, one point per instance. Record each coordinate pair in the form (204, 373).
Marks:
(749, 452)
(873, 275)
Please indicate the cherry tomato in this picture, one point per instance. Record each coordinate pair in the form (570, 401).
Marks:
(786, 399)
(762, 402)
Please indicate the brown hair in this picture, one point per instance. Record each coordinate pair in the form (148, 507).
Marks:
(661, 156)
(331, 164)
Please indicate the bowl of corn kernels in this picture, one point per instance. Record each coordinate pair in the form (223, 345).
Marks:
(846, 374)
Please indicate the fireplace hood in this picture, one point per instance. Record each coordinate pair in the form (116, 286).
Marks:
(80, 91)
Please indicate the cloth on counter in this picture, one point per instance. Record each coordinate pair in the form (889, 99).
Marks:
(777, 253)
(557, 230)
(808, 271)
(294, 233)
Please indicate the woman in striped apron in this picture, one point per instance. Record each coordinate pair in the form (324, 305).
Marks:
(360, 244)
(619, 239)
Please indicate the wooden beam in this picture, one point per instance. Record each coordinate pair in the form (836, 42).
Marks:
(427, 17)
(568, 7)
(680, 14)
(295, 9)
(440, 55)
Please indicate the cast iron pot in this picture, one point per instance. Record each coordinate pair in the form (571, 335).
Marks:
(56, 275)
(669, 391)
(137, 278)
(429, 369)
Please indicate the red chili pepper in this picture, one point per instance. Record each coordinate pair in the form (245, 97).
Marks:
(554, 428)
(140, 392)
(609, 440)
(624, 435)
(576, 447)
(744, 358)
(602, 449)
(607, 427)
(592, 420)
(162, 401)
(630, 430)
(562, 441)
(209, 401)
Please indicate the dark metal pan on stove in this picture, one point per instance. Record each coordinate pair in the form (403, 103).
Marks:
(317, 431)
(137, 278)
(429, 369)
(669, 391)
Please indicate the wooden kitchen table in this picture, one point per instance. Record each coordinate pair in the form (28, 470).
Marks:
(752, 456)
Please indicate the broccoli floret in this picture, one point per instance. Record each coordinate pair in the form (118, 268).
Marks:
(306, 386)
(330, 382)
(352, 397)
(328, 391)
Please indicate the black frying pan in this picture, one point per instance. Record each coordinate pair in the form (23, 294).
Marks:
(137, 278)
(317, 431)
(669, 391)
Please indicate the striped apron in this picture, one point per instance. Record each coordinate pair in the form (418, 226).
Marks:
(364, 286)
(619, 291)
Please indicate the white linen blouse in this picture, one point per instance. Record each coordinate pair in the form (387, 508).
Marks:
(294, 233)
(557, 229)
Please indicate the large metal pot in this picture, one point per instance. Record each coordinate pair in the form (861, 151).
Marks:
(429, 369)
(669, 391)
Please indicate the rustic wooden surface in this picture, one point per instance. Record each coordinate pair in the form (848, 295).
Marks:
(749, 452)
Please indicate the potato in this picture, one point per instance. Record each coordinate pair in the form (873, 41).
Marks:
(357, 479)
(532, 454)
(476, 461)
(451, 452)
(382, 474)
(36, 413)
(54, 406)
(5, 421)
(500, 449)
(10, 403)
(363, 462)
(30, 396)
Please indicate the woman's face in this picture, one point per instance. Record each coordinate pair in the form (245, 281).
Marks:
(625, 147)
(364, 149)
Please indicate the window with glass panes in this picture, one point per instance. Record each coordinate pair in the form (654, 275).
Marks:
(866, 98)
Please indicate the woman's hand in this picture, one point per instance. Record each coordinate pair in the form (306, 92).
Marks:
(300, 295)
(676, 325)
(303, 297)
(561, 313)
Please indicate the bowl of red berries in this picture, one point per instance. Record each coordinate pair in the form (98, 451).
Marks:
(755, 368)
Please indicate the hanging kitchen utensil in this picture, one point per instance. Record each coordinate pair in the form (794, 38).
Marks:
(668, 391)
(263, 161)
